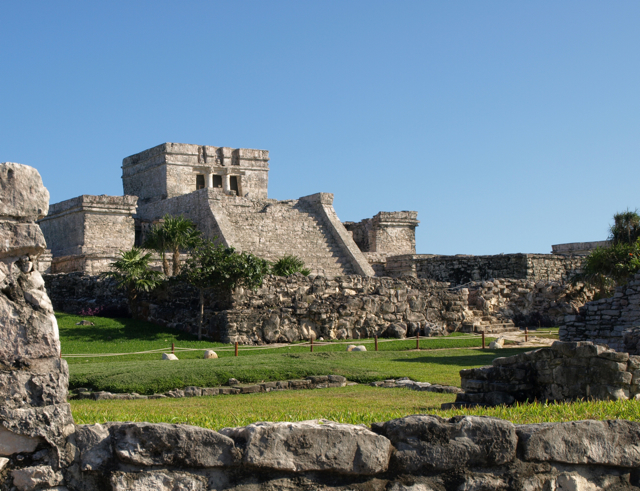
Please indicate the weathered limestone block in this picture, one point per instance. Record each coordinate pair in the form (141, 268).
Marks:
(39, 382)
(425, 442)
(29, 478)
(23, 194)
(27, 333)
(12, 443)
(166, 444)
(20, 239)
(311, 446)
(53, 424)
(615, 443)
(157, 481)
(94, 445)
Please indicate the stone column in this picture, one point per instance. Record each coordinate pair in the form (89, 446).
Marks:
(209, 183)
(226, 184)
(33, 378)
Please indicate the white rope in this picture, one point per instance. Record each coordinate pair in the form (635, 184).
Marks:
(299, 345)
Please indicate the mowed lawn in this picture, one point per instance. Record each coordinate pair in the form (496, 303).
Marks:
(148, 374)
(438, 361)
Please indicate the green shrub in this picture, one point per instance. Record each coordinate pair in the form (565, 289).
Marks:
(289, 265)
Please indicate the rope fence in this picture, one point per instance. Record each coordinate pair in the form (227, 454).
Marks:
(311, 345)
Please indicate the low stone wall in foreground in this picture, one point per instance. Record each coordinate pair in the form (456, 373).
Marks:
(417, 453)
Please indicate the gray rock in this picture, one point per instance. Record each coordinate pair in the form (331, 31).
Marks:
(94, 445)
(233, 381)
(29, 478)
(20, 239)
(42, 382)
(51, 423)
(157, 481)
(23, 194)
(614, 442)
(166, 444)
(425, 442)
(26, 333)
(310, 446)
(397, 330)
(3, 463)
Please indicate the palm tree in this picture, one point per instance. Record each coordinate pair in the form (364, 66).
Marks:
(173, 234)
(625, 228)
(156, 241)
(132, 273)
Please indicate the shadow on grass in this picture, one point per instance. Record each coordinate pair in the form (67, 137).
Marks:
(122, 329)
(485, 357)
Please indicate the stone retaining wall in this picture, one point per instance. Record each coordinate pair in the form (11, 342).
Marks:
(528, 302)
(606, 321)
(563, 372)
(462, 269)
(298, 307)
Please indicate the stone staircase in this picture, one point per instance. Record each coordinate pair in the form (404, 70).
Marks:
(489, 324)
(272, 229)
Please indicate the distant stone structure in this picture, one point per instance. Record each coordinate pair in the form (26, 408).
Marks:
(86, 233)
(578, 248)
(224, 191)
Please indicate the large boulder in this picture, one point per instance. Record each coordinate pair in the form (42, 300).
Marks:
(615, 443)
(167, 444)
(426, 442)
(312, 446)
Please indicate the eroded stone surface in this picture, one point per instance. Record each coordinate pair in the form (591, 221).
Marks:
(23, 194)
(94, 445)
(165, 444)
(42, 382)
(310, 446)
(425, 442)
(27, 333)
(12, 443)
(29, 478)
(158, 481)
(51, 423)
(614, 442)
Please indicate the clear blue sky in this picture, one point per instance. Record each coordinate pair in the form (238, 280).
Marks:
(509, 126)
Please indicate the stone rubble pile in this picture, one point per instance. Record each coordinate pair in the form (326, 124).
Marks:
(312, 382)
(406, 383)
(563, 372)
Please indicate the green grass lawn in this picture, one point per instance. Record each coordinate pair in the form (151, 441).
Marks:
(438, 361)
(355, 405)
(148, 374)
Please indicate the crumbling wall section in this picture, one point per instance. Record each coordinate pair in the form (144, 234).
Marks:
(606, 321)
(563, 372)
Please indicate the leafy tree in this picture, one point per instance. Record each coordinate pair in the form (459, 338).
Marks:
(173, 234)
(132, 273)
(625, 228)
(289, 265)
(223, 269)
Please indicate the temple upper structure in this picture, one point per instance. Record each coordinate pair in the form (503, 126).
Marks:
(224, 191)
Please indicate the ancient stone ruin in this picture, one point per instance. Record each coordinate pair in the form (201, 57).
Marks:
(563, 372)
(224, 191)
(42, 448)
